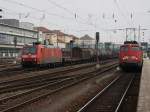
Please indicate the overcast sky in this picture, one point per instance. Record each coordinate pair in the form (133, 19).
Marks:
(81, 17)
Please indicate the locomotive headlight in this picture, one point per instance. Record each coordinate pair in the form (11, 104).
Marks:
(125, 57)
(134, 57)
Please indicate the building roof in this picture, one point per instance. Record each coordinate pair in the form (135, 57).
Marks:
(74, 37)
(18, 28)
(43, 29)
(58, 32)
(60, 41)
(86, 37)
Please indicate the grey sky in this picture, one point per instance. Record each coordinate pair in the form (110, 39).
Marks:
(91, 15)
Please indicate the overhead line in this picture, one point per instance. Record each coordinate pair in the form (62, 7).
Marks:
(120, 10)
(43, 11)
(36, 9)
(70, 12)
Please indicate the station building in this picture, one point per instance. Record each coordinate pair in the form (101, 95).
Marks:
(13, 38)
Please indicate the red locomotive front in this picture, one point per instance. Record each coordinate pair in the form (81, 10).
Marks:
(130, 55)
(29, 55)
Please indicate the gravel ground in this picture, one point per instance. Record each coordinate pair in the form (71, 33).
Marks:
(71, 99)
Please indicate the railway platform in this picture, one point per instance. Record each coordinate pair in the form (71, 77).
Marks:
(144, 92)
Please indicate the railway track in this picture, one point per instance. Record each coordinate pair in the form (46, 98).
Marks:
(12, 103)
(36, 81)
(27, 72)
(111, 97)
(130, 101)
(7, 67)
(17, 70)
(41, 79)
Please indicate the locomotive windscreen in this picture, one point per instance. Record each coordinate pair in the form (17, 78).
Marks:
(130, 42)
(135, 48)
(124, 48)
(29, 50)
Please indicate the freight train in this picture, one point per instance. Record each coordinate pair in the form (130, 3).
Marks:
(130, 55)
(38, 54)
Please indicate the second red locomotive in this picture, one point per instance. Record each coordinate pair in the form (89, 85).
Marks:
(39, 54)
(130, 55)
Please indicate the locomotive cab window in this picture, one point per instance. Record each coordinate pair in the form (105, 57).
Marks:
(29, 50)
(135, 48)
(124, 49)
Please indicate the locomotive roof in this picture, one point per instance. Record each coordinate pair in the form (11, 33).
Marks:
(130, 42)
(136, 45)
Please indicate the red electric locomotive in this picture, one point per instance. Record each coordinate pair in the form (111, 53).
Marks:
(130, 55)
(39, 54)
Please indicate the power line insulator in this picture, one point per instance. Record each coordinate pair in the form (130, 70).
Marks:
(143, 33)
(75, 16)
(131, 16)
(113, 16)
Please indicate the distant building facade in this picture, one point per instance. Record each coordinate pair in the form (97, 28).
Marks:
(26, 25)
(55, 37)
(10, 22)
(8, 35)
(87, 42)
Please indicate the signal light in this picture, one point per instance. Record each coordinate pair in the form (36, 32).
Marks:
(1, 11)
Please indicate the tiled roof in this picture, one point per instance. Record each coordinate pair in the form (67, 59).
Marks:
(58, 32)
(60, 41)
(43, 29)
(86, 37)
(74, 37)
